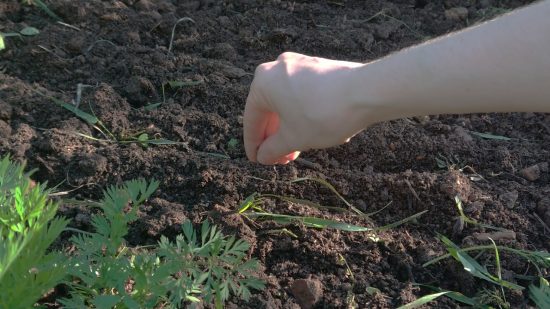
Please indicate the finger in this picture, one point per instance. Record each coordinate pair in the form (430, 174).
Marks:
(288, 158)
(274, 150)
(255, 122)
(292, 156)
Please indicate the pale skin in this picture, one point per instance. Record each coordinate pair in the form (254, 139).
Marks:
(297, 102)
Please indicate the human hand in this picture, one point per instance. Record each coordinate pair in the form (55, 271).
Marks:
(298, 103)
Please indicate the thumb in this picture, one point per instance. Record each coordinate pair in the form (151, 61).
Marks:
(274, 149)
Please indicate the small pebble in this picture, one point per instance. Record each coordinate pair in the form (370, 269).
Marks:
(144, 5)
(456, 13)
(485, 3)
(232, 72)
(509, 199)
(361, 205)
(5, 129)
(307, 292)
(531, 173)
(463, 135)
(543, 209)
(496, 236)
(5, 111)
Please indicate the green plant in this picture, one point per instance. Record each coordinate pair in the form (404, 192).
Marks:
(140, 138)
(108, 274)
(540, 259)
(451, 294)
(473, 267)
(462, 219)
(491, 136)
(43, 7)
(174, 30)
(103, 272)
(541, 294)
(27, 229)
(27, 31)
(492, 296)
(350, 297)
(251, 208)
(232, 143)
(537, 258)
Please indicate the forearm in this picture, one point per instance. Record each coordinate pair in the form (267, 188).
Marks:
(499, 66)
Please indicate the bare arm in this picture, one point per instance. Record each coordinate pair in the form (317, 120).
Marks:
(498, 66)
(299, 102)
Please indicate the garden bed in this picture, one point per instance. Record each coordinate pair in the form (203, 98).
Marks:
(123, 55)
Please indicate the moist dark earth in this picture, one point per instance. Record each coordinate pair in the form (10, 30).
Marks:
(120, 51)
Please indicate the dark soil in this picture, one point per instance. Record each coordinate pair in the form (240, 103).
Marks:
(121, 51)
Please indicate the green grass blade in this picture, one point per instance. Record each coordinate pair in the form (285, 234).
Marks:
(151, 107)
(2, 45)
(459, 297)
(538, 258)
(331, 188)
(174, 84)
(473, 267)
(422, 300)
(174, 30)
(213, 154)
(541, 294)
(46, 9)
(249, 202)
(89, 118)
(370, 214)
(499, 269)
(310, 222)
(304, 202)
(401, 222)
(160, 141)
(93, 138)
(491, 136)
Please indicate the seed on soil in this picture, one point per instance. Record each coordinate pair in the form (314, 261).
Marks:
(361, 205)
(110, 17)
(307, 292)
(5, 129)
(456, 13)
(92, 164)
(76, 44)
(543, 209)
(454, 183)
(485, 3)
(422, 119)
(496, 236)
(144, 5)
(531, 173)
(232, 72)
(5, 111)
(221, 51)
(386, 29)
(509, 199)
(463, 135)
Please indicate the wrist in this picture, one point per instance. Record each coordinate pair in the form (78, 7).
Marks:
(370, 94)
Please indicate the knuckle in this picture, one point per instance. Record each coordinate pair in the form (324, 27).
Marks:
(286, 56)
(260, 69)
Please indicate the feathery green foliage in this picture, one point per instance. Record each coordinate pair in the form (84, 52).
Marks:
(205, 265)
(27, 229)
(104, 272)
